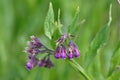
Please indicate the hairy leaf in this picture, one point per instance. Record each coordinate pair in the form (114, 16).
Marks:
(49, 22)
(100, 39)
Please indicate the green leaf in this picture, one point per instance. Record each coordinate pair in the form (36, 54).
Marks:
(115, 75)
(49, 22)
(59, 25)
(56, 35)
(57, 32)
(116, 49)
(100, 38)
(115, 60)
(70, 27)
(78, 68)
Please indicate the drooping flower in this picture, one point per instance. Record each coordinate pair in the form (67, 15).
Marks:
(63, 52)
(41, 62)
(57, 52)
(70, 53)
(31, 63)
(60, 52)
(72, 50)
(30, 56)
(46, 63)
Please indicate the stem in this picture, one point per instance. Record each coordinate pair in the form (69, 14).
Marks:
(50, 51)
(47, 50)
(78, 68)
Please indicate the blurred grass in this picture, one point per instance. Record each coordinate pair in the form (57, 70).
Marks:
(21, 18)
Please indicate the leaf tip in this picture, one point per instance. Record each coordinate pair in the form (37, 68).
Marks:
(110, 15)
(78, 8)
(50, 4)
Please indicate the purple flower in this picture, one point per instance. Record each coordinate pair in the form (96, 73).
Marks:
(63, 52)
(46, 63)
(57, 52)
(41, 62)
(31, 63)
(70, 54)
(32, 51)
(34, 46)
(60, 52)
(36, 42)
(30, 56)
(72, 50)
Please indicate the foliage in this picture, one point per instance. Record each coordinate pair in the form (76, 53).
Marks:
(99, 44)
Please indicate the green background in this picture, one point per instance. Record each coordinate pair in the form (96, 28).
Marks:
(20, 19)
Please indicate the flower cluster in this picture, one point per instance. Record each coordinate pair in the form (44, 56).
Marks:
(34, 48)
(62, 53)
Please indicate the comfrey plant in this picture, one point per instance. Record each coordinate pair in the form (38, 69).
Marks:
(65, 47)
(62, 51)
